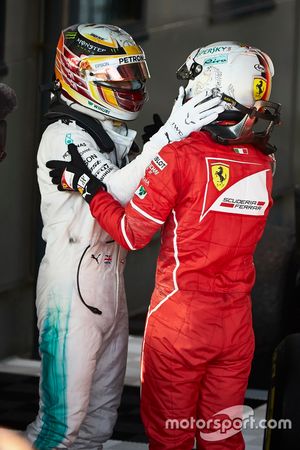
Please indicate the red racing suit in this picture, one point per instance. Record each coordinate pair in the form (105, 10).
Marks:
(212, 201)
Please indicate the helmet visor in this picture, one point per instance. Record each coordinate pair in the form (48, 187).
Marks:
(128, 95)
(124, 72)
(131, 100)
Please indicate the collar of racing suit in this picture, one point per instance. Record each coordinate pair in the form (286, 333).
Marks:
(123, 139)
(122, 136)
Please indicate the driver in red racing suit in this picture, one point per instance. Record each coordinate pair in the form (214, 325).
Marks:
(212, 201)
(198, 342)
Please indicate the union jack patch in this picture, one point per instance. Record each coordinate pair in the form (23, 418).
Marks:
(107, 259)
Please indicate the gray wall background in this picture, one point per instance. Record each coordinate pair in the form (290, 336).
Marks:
(175, 28)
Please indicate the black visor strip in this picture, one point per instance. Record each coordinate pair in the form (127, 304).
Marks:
(266, 115)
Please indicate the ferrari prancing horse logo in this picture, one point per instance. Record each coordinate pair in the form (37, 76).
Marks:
(220, 175)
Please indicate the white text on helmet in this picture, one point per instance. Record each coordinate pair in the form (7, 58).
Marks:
(89, 46)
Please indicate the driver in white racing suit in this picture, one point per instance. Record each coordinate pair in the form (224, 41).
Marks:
(81, 305)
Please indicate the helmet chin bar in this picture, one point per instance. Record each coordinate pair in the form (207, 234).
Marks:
(242, 132)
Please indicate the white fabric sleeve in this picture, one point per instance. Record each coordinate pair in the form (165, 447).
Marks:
(123, 183)
(98, 163)
(120, 183)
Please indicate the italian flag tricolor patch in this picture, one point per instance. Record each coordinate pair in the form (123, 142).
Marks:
(241, 150)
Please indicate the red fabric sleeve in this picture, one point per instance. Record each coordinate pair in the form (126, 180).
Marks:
(133, 226)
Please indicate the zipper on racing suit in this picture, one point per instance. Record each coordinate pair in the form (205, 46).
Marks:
(117, 279)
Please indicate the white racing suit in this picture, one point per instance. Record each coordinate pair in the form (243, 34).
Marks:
(83, 352)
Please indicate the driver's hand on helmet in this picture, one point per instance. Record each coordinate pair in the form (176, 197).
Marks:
(189, 116)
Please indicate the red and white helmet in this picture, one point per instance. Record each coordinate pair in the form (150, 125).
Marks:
(102, 68)
(240, 71)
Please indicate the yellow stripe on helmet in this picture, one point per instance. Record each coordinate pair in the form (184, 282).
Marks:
(109, 96)
(133, 50)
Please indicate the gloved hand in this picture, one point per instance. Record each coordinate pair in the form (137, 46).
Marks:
(188, 117)
(74, 175)
(150, 130)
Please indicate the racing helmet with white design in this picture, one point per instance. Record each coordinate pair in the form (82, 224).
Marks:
(100, 67)
(242, 76)
(242, 72)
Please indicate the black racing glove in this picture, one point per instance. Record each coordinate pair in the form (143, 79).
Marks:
(150, 130)
(74, 175)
